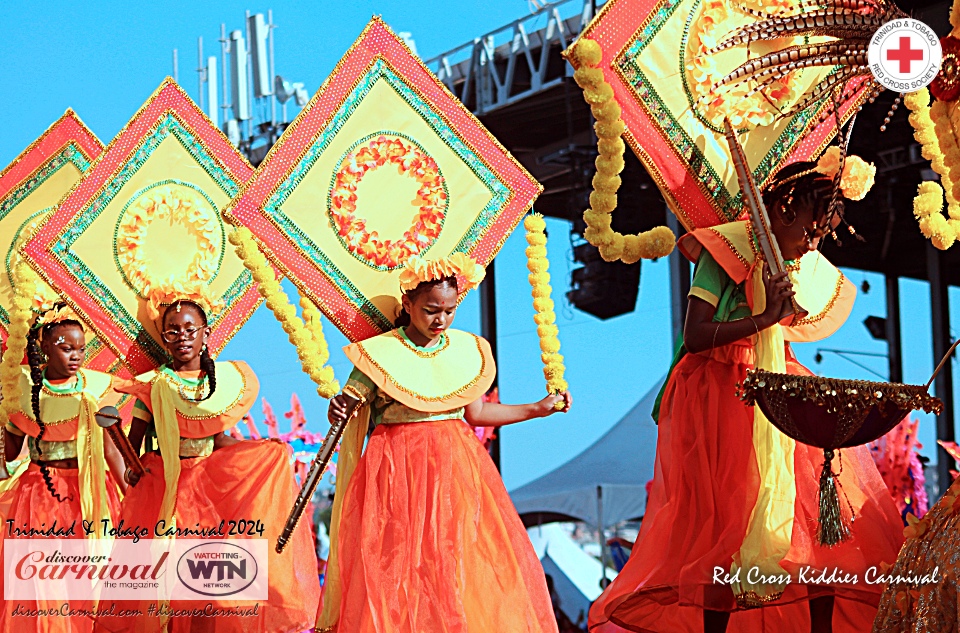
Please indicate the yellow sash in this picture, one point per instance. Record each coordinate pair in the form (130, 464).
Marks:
(350, 447)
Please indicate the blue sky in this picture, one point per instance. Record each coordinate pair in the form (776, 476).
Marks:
(104, 59)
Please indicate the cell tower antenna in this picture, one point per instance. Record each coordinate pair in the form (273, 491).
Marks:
(224, 49)
(201, 71)
(273, 73)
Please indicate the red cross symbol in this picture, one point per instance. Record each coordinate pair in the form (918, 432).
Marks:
(905, 55)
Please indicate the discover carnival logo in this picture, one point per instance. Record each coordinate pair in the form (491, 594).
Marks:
(904, 55)
(147, 570)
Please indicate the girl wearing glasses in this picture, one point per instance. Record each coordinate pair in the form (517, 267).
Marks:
(731, 519)
(64, 486)
(202, 478)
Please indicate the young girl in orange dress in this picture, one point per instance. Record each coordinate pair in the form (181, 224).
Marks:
(423, 534)
(66, 483)
(730, 533)
(200, 476)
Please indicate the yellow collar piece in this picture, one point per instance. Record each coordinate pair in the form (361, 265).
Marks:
(231, 386)
(822, 290)
(459, 371)
(825, 293)
(59, 408)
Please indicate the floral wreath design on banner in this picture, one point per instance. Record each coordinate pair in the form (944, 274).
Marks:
(411, 159)
(743, 109)
(179, 202)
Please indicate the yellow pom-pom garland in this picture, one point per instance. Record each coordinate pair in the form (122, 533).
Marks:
(652, 244)
(938, 143)
(545, 317)
(306, 334)
(20, 315)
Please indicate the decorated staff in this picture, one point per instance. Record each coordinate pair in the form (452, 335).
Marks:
(352, 401)
(446, 196)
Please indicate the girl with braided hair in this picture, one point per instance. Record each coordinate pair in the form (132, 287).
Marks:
(729, 540)
(65, 484)
(201, 478)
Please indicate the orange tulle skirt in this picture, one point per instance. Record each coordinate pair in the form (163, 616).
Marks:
(29, 504)
(429, 540)
(704, 488)
(250, 480)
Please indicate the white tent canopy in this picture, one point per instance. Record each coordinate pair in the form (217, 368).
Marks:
(576, 574)
(607, 478)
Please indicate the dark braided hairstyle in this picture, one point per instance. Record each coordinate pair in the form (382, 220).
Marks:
(206, 362)
(403, 319)
(785, 192)
(35, 358)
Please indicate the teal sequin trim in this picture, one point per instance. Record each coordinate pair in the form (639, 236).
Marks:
(380, 70)
(167, 126)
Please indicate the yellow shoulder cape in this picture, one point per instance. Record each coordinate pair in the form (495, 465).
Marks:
(459, 372)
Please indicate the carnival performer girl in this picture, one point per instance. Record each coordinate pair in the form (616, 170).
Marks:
(423, 534)
(200, 476)
(65, 488)
(731, 520)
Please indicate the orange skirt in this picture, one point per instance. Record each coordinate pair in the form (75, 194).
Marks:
(30, 504)
(250, 480)
(704, 488)
(429, 540)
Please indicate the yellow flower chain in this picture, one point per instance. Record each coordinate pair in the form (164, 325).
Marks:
(938, 144)
(545, 317)
(306, 337)
(16, 344)
(655, 243)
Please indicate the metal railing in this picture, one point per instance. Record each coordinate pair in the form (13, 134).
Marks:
(515, 61)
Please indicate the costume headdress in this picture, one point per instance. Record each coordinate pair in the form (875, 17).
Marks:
(56, 314)
(418, 270)
(29, 188)
(853, 183)
(154, 197)
(850, 25)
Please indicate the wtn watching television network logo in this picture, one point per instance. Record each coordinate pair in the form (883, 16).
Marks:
(217, 569)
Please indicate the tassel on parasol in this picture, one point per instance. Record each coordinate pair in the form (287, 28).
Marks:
(833, 413)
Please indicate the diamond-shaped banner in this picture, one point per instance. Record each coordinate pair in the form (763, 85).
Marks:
(29, 187)
(382, 164)
(147, 215)
(656, 56)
